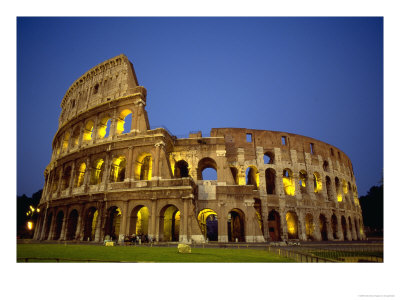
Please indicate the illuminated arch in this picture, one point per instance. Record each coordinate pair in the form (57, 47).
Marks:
(317, 182)
(143, 167)
(303, 181)
(339, 195)
(103, 128)
(97, 172)
(118, 166)
(80, 175)
(253, 177)
(292, 225)
(206, 163)
(113, 223)
(288, 182)
(208, 221)
(65, 142)
(170, 217)
(236, 230)
(90, 224)
(87, 134)
(139, 221)
(123, 117)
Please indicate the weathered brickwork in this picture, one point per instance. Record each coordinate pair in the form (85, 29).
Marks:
(111, 180)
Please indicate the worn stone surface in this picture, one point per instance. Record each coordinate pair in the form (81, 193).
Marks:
(109, 178)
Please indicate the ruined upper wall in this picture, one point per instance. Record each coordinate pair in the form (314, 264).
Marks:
(109, 80)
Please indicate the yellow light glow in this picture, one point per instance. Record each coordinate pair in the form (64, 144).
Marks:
(147, 173)
(121, 120)
(291, 223)
(339, 198)
(103, 128)
(87, 135)
(288, 186)
(345, 188)
(29, 225)
(81, 174)
(38, 210)
(32, 208)
(242, 180)
(317, 183)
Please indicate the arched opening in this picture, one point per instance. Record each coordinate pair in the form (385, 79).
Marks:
(113, 223)
(65, 142)
(338, 191)
(72, 224)
(323, 227)
(139, 222)
(59, 223)
(80, 175)
(309, 226)
(66, 178)
(303, 181)
(97, 172)
(56, 179)
(270, 177)
(268, 157)
(117, 172)
(317, 182)
(207, 169)
(288, 182)
(87, 134)
(345, 190)
(329, 190)
(170, 224)
(334, 224)
(181, 169)
(208, 222)
(236, 225)
(75, 137)
(90, 224)
(325, 166)
(344, 228)
(292, 225)
(274, 225)
(124, 123)
(104, 127)
(48, 226)
(253, 177)
(144, 167)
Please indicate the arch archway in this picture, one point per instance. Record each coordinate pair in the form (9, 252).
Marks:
(323, 227)
(117, 172)
(96, 175)
(205, 164)
(89, 230)
(144, 167)
(274, 225)
(288, 182)
(344, 228)
(208, 221)
(292, 225)
(253, 177)
(309, 226)
(236, 225)
(170, 217)
(334, 224)
(303, 181)
(58, 225)
(72, 225)
(270, 177)
(113, 222)
(181, 169)
(124, 122)
(139, 221)
(80, 175)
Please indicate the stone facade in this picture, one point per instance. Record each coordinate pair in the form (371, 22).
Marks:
(108, 180)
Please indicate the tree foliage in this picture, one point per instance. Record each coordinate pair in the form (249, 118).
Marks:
(25, 212)
(372, 208)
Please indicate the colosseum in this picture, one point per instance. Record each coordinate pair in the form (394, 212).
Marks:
(111, 177)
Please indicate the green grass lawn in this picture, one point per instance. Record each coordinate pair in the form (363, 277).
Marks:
(143, 254)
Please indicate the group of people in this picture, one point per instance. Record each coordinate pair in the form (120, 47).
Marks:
(138, 238)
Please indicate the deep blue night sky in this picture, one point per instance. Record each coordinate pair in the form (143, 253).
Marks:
(318, 77)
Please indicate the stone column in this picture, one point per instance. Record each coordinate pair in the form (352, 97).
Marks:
(78, 236)
(329, 229)
(71, 180)
(222, 224)
(106, 174)
(317, 230)
(302, 227)
(156, 173)
(297, 192)
(60, 181)
(94, 132)
(184, 238)
(283, 224)
(86, 177)
(310, 186)
(152, 221)
(129, 165)
(114, 124)
(80, 139)
(44, 225)
(122, 231)
(340, 229)
(99, 223)
(64, 225)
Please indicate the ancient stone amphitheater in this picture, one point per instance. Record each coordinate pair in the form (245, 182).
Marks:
(112, 177)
